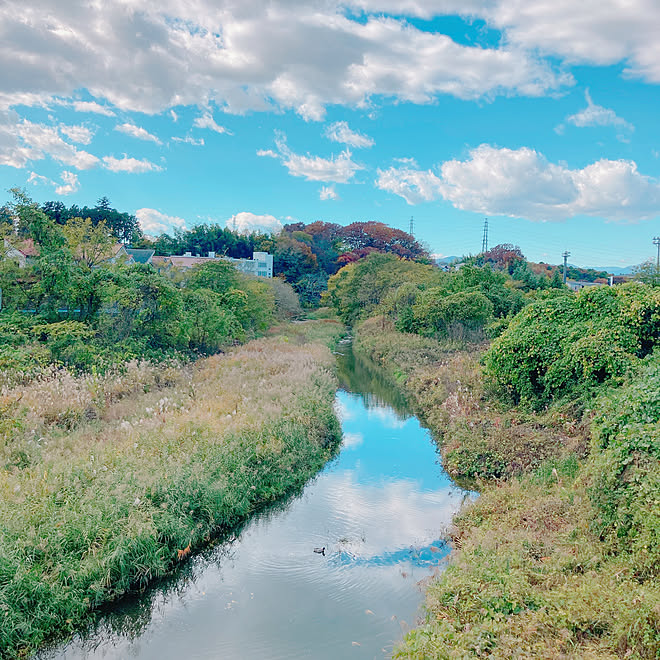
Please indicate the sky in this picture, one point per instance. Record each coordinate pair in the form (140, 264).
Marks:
(539, 115)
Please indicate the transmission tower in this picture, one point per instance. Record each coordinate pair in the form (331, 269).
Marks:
(484, 242)
(656, 241)
(412, 227)
(566, 255)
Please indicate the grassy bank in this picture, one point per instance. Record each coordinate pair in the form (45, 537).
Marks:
(108, 482)
(558, 558)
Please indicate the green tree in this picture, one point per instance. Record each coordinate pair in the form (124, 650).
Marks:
(648, 273)
(207, 324)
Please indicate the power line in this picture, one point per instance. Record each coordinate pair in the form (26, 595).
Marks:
(412, 227)
(484, 242)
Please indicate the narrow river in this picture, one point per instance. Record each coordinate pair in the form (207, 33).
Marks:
(380, 510)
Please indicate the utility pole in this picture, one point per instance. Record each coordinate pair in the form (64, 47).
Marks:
(566, 255)
(412, 227)
(656, 241)
(484, 242)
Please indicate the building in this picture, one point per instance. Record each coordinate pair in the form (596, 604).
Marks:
(139, 256)
(22, 252)
(579, 285)
(261, 264)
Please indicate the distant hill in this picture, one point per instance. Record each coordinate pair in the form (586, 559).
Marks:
(447, 260)
(616, 270)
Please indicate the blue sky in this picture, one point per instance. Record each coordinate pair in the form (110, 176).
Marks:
(541, 116)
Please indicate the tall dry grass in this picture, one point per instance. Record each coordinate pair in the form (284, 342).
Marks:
(106, 481)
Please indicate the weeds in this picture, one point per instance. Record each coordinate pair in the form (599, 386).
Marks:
(108, 482)
(558, 556)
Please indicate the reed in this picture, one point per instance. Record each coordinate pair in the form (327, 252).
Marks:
(108, 482)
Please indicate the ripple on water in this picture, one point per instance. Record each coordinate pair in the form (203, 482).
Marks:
(380, 511)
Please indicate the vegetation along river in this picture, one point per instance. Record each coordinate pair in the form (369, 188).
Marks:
(380, 510)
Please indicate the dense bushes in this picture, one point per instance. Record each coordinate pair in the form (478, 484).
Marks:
(626, 468)
(115, 313)
(423, 300)
(568, 344)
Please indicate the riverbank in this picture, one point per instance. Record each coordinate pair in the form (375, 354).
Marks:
(109, 482)
(533, 573)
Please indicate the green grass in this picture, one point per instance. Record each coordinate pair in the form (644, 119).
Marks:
(147, 472)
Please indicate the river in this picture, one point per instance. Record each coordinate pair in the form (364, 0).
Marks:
(380, 510)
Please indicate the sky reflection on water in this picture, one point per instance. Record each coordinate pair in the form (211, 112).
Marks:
(380, 509)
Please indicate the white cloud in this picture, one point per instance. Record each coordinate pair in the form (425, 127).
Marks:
(154, 222)
(22, 141)
(598, 32)
(80, 134)
(189, 140)
(597, 115)
(246, 223)
(522, 183)
(174, 116)
(133, 165)
(70, 184)
(339, 169)
(149, 57)
(336, 169)
(340, 132)
(92, 106)
(413, 185)
(137, 132)
(207, 121)
(37, 179)
(328, 192)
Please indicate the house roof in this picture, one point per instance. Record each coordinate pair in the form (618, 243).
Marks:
(141, 256)
(28, 248)
(188, 262)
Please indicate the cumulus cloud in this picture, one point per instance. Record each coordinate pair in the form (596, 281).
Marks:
(207, 121)
(22, 141)
(154, 223)
(80, 134)
(340, 132)
(127, 164)
(246, 223)
(328, 192)
(145, 57)
(523, 183)
(598, 32)
(413, 185)
(70, 184)
(137, 132)
(596, 115)
(336, 169)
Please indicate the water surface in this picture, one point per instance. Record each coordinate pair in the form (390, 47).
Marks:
(380, 510)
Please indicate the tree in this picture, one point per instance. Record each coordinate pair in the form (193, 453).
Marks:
(90, 244)
(207, 324)
(648, 273)
(503, 257)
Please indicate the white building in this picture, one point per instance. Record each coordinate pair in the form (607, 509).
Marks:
(261, 264)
